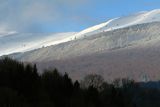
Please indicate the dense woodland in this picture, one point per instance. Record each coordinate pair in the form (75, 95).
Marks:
(22, 86)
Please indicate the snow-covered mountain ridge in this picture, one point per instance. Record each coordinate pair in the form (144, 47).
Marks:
(128, 37)
(127, 47)
(131, 52)
(17, 42)
(121, 22)
(22, 42)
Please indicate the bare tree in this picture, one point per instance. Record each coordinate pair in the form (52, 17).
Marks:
(93, 80)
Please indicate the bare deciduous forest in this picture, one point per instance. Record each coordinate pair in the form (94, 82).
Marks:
(22, 86)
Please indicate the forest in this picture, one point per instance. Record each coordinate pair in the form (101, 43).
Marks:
(22, 86)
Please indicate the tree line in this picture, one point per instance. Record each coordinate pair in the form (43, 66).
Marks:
(22, 86)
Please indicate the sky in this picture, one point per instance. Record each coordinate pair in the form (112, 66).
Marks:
(45, 16)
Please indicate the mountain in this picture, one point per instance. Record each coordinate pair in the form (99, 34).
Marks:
(21, 42)
(11, 42)
(122, 47)
(121, 22)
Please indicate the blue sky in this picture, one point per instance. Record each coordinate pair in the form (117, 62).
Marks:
(65, 15)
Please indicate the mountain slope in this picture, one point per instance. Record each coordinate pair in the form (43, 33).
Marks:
(12, 42)
(131, 52)
(22, 42)
(141, 63)
(122, 47)
(105, 41)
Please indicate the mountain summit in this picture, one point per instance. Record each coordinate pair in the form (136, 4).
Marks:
(121, 22)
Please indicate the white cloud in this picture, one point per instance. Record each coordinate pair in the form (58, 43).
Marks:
(24, 15)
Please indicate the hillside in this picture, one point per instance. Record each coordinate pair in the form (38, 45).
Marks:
(123, 47)
(128, 52)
